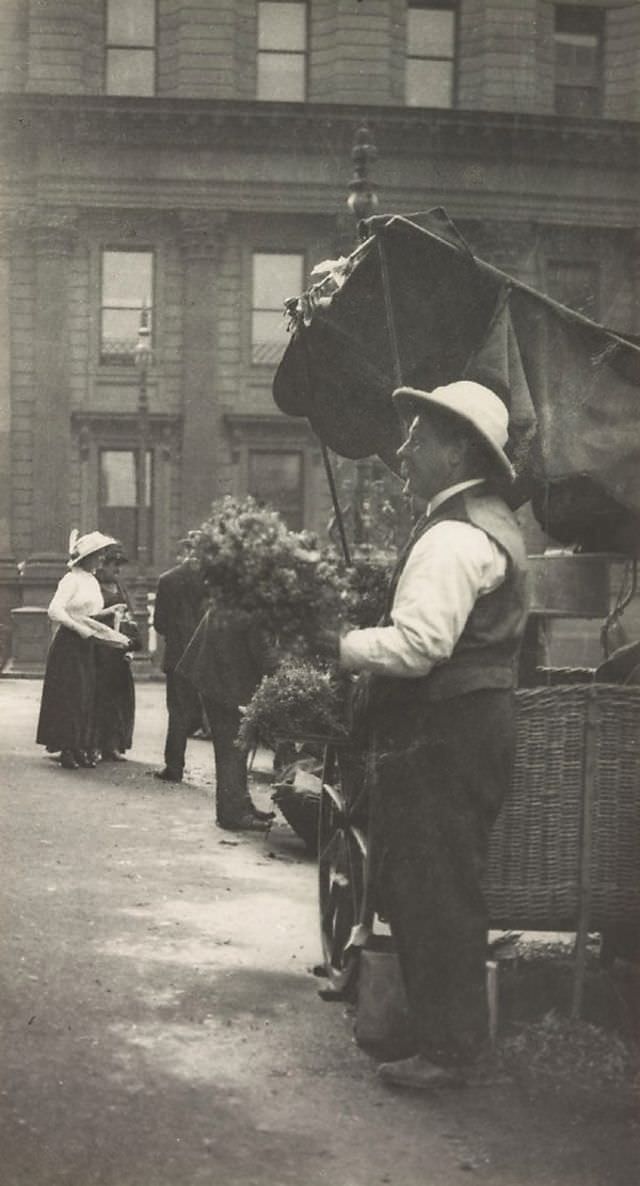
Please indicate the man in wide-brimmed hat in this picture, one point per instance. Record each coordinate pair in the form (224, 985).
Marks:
(438, 709)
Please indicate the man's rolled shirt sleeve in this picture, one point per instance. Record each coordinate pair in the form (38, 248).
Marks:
(448, 569)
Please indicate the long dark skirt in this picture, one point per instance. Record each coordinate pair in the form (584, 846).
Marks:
(115, 701)
(439, 782)
(68, 693)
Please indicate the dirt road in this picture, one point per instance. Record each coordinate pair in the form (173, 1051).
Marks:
(160, 1023)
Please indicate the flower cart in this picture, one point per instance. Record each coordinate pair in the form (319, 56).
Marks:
(413, 305)
(564, 853)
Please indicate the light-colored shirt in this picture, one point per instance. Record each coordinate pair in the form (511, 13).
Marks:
(447, 570)
(77, 597)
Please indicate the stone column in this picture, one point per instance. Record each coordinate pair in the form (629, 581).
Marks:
(52, 232)
(202, 237)
(634, 252)
(5, 396)
(9, 583)
(54, 241)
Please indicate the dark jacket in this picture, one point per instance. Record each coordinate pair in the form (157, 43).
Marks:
(180, 603)
(225, 660)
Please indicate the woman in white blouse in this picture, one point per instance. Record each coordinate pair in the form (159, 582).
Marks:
(68, 694)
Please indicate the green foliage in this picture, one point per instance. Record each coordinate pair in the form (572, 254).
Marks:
(562, 1049)
(296, 591)
(299, 702)
(283, 580)
(254, 566)
(376, 512)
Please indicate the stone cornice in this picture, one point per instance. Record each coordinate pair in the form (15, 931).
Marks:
(266, 426)
(305, 128)
(88, 417)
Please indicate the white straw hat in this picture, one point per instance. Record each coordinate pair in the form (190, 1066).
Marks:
(85, 545)
(478, 406)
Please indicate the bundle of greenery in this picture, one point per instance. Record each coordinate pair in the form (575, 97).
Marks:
(280, 579)
(300, 702)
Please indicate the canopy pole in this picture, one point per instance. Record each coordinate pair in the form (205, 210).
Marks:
(391, 325)
(336, 505)
(325, 453)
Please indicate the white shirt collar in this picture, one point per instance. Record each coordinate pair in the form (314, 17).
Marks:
(443, 495)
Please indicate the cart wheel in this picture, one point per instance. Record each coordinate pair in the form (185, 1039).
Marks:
(345, 915)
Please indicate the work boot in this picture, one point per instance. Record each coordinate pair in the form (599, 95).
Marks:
(245, 823)
(167, 775)
(68, 760)
(88, 758)
(418, 1073)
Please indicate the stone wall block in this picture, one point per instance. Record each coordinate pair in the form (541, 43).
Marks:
(53, 234)
(202, 237)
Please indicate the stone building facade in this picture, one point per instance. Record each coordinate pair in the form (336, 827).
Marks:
(192, 158)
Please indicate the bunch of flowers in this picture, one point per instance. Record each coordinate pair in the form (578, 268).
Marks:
(300, 702)
(303, 700)
(281, 580)
(254, 566)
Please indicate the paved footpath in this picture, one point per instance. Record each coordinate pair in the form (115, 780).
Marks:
(160, 1023)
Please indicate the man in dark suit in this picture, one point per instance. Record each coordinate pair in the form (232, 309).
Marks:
(225, 661)
(180, 597)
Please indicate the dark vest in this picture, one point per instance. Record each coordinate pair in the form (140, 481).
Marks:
(486, 654)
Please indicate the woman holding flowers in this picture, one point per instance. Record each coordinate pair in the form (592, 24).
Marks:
(66, 719)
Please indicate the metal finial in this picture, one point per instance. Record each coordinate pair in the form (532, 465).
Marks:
(362, 200)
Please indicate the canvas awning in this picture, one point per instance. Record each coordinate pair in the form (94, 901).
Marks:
(413, 305)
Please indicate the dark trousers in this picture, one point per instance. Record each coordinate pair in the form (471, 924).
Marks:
(183, 708)
(440, 776)
(233, 800)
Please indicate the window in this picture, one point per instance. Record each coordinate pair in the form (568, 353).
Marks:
(276, 276)
(277, 478)
(118, 498)
(282, 50)
(127, 286)
(431, 30)
(579, 36)
(575, 283)
(131, 47)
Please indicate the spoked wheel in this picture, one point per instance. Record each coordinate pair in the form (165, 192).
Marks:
(345, 913)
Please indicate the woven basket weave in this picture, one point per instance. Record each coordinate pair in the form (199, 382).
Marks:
(576, 744)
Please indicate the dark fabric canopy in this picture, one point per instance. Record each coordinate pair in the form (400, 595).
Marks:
(414, 306)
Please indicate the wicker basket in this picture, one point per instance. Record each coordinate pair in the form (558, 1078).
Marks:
(568, 837)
